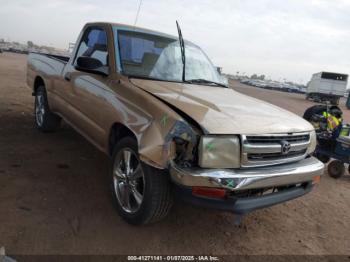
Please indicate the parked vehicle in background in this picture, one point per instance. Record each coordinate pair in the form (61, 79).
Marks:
(326, 86)
(18, 51)
(0, 50)
(273, 85)
(290, 88)
(259, 83)
(245, 81)
(156, 105)
(302, 90)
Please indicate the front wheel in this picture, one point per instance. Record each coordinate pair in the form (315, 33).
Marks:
(141, 193)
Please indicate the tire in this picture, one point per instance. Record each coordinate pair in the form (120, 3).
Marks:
(336, 169)
(44, 119)
(143, 195)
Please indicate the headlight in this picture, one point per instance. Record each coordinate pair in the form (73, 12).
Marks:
(219, 152)
(313, 142)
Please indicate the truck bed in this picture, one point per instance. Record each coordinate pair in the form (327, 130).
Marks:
(64, 59)
(45, 65)
(61, 58)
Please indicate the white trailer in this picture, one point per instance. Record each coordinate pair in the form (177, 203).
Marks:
(326, 86)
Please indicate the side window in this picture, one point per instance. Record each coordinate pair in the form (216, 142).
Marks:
(94, 44)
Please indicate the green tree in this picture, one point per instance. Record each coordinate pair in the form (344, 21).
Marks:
(30, 44)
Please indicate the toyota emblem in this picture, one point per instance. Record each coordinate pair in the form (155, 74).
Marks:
(285, 147)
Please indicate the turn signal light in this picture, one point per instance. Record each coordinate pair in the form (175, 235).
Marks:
(316, 180)
(209, 192)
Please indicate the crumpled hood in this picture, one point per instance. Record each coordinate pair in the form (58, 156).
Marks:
(225, 111)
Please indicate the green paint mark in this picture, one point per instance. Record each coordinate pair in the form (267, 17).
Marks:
(164, 120)
(210, 147)
(230, 183)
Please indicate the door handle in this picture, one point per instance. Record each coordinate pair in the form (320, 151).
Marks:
(67, 76)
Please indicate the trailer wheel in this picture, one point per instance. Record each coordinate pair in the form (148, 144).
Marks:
(336, 169)
(349, 169)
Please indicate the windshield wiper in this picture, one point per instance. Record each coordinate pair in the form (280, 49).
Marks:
(204, 81)
(183, 54)
(147, 78)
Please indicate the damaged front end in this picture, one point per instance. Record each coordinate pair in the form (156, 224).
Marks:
(170, 139)
(182, 144)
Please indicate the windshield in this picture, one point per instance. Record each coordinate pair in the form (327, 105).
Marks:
(155, 56)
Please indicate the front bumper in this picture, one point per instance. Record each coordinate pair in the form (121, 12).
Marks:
(249, 178)
(243, 205)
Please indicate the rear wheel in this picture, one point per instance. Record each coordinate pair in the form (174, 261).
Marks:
(141, 193)
(45, 120)
(336, 169)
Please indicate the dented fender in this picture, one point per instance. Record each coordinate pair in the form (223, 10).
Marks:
(157, 144)
(154, 123)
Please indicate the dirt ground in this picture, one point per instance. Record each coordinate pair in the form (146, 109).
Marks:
(54, 197)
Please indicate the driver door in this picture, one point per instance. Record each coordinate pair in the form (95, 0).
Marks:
(84, 93)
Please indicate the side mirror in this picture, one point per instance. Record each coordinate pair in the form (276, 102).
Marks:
(91, 65)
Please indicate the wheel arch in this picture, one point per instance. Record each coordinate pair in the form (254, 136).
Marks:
(39, 81)
(117, 132)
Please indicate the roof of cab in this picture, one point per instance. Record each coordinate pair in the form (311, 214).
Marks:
(126, 27)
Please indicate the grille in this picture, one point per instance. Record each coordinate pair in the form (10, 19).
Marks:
(275, 156)
(277, 139)
(264, 150)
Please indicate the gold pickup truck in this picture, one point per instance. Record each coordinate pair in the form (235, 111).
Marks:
(156, 105)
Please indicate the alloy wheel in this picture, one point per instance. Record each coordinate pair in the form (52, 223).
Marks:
(128, 180)
(39, 109)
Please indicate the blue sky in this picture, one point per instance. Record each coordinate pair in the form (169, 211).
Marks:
(281, 39)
